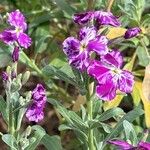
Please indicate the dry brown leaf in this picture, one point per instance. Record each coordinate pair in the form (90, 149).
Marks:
(146, 83)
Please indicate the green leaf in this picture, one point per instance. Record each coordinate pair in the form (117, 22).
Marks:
(130, 132)
(110, 113)
(10, 141)
(130, 117)
(64, 73)
(38, 134)
(4, 55)
(142, 55)
(3, 108)
(51, 142)
(65, 7)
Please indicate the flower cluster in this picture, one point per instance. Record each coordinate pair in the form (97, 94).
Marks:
(35, 111)
(15, 33)
(106, 67)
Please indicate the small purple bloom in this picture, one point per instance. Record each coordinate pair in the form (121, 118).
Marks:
(16, 32)
(106, 18)
(110, 77)
(78, 50)
(132, 32)
(4, 76)
(15, 54)
(35, 111)
(83, 18)
(123, 145)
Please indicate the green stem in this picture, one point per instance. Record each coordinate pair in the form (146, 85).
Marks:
(90, 117)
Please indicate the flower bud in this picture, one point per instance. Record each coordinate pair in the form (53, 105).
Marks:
(15, 54)
(130, 33)
(4, 76)
(25, 77)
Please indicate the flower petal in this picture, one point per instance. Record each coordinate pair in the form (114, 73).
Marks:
(24, 40)
(113, 58)
(121, 144)
(71, 47)
(81, 61)
(83, 18)
(17, 19)
(98, 71)
(126, 81)
(86, 34)
(7, 36)
(106, 18)
(106, 91)
(144, 145)
(99, 45)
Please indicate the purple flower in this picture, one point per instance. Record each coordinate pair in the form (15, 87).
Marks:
(78, 50)
(106, 18)
(15, 54)
(16, 32)
(132, 32)
(110, 77)
(35, 111)
(126, 146)
(83, 18)
(4, 76)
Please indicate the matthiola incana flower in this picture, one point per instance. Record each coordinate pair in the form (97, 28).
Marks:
(16, 32)
(123, 145)
(35, 111)
(132, 32)
(78, 50)
(106, 18)
(110, 76)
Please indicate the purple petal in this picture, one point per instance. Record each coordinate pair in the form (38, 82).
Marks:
(132, 32)
(126, 81)
(98, 71)
(144, 145)
(86, 34)
(24, 40)
(106, 18)
(81, 61)
(83, 18)
(35, 113)
(71, 47)
(121, 144)
(17, 20)
(99, 45)
(113, 58)
(7, 36)
(106, 91)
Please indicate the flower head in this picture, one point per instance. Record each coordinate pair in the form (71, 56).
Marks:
(35, 111)
(132, 32)
(16, 32)
(78, 50)
(110, 76)
(106, 18)
(123, 145)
